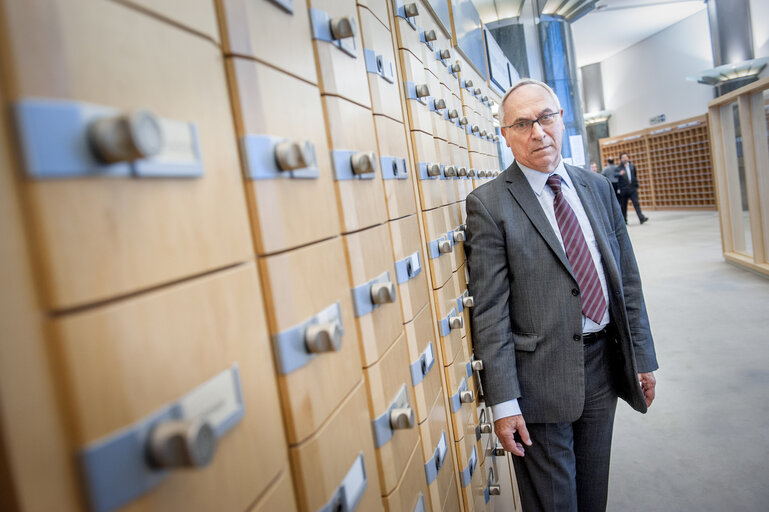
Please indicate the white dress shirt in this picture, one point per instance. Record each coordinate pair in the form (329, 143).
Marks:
(538, 182)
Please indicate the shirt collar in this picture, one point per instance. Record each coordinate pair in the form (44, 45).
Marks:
(537, 180)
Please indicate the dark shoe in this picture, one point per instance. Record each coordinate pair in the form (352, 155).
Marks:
(644, 219)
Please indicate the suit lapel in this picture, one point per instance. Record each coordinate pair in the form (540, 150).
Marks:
(519, 187)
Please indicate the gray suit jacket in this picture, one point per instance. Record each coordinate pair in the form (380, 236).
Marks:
(527, 318)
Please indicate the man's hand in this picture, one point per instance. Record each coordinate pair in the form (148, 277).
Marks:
(505, 428)
(622, 172)
(648, 383)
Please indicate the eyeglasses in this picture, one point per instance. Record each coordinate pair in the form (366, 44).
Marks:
(527, 124)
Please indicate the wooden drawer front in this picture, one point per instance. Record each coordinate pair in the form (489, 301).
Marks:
(341, 62)
(485, 431)
(472, 475)
(458, 235)
(411, 494)
(305, 287)
(272, 111)
(407, 29)
(109, 230)
(341, 451)
(371, 268)
(360, 196)
(134, 366)
(280, 496)
(445, 156)
(380, 66)
(456, 130)
(452, 73)
(438, 454)
(503, 479)
(461, 395)
(465, 301)
(451, 499)
(440, 244)
(410, 265)
(198, 15)
(464, 181)
(449, 323)
(424, 363)
(397, 168)
(269, 33)
(393, 419)
(380, 9)
(418, 93)
(433, 191)
(437, 105)
(429, 54)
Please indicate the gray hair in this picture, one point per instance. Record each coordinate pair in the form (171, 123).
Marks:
(529, 81)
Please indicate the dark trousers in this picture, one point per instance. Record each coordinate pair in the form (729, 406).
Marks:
(632, 194)
(567, 467)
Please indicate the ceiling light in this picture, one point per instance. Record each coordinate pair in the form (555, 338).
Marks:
(728, 72)
(597, 117)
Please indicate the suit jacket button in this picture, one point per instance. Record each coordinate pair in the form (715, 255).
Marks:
(574, 292)
(577, 337)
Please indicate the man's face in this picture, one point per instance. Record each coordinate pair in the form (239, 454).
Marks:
(624, 159)
(538, 148)
(594, 167)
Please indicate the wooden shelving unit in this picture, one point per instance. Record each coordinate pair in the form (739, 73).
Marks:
(673, 161)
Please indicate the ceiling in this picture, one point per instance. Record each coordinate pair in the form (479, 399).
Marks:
(610, 27)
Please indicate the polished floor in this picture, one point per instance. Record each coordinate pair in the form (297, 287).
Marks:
(704, 445)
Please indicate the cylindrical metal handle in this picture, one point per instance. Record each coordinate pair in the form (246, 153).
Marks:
(383, 293)
(494, 490)
(181, 443)
(476, 128)
(291, 155)
(483, 133)
(433, 170)
(466, 397)
(445, 54)
(440, 103)
(496, 138)
(477, 365)
(468, 83)
(326, 337)
(462, 171)
(471, 172)
(485, 98)
(126, 137)
(456, 68)
(342, 27)
(498, 451)
(450, 170)
(362, 163)
(459, 236)
(453, 114)
(463, 120)
(477, 91)
(456, 322)
(402, 418)
(444, 247)
(422, 90)
(486, 428)
(481, 173)
(430, 35)
(411, 10)
(468, 301)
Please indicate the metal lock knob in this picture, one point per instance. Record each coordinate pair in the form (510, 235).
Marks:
(468, 302)
(468, 83)
(362, 163)
(496, 138)
(422, 90)
(456, 322)
(481, 173)
(402, 418)
(459, 236)
(476, 128)
(181, 443)
(456, 68)
(430, 35)
(126, 137)
(462, 171)
(485, 98)
(450, 171)
(477, 364)
(463, 120)
(453, 114)
(445, 54)
(433, 170)
(383, 293)
(483, 133)
(466, 397)
(326, 337)
(411, 10)
(292, 155)
(494, 490)
(486, 428)
(477, 91)
(471, 173)
(444, 247)
(342, 27)
(440, 103)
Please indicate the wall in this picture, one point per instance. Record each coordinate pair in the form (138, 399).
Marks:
(759, 16)
(649, 78)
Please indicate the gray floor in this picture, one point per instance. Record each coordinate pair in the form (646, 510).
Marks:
(704, 445)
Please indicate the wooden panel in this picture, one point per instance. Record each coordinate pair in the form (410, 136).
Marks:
(408, 36)
(431, 432)
(321, 463)
(456, 371)
(454, 223)
(432, 192)
(436, 227)
(369, 255)
(380, 9)
(385, 96)
(384, 381)
(298, 285)
(98, 237)
(473, 493)
(413, 294)
(341, 74)
(393, 141)
(451, 499)
(350, 127)
(420, 333)
(268, 33)
(461, 282)
(437, 92)
(445, 156)
(286, 213)
(420, 117)
(412, 485)
(124, 361)
(196, 15)
(279, 496)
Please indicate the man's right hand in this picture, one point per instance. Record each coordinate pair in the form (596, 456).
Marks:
(505, 428)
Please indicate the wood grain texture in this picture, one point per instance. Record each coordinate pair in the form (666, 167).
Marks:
(392, 138)
(419, 334)
(412, 484)
(385, 96)
(414, 293)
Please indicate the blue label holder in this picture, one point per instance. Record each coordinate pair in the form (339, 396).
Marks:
(321, 31)
(259, 151)
(289, 346)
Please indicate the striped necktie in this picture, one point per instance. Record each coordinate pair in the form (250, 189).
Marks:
(593, 302)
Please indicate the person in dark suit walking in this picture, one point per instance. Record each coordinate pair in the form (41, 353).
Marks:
(610, 171)
(559, 319)
(627, 183)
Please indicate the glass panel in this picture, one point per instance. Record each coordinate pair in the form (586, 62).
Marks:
(744, 222)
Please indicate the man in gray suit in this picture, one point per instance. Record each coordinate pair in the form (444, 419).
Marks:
(559, 318)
